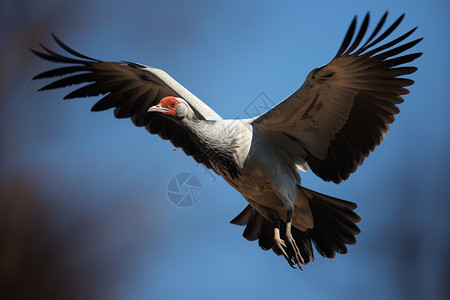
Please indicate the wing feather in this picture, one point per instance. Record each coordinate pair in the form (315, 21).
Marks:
(343, 109)
(130, 88)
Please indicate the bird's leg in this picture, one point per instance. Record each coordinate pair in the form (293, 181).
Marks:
(279, 242)
(290, 239)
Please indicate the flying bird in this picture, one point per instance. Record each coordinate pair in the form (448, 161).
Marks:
(329, 125)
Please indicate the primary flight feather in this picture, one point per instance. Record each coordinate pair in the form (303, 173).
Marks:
(330, 124)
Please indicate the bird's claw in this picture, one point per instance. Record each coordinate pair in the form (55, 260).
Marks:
(297, 255)
(288, 246)
(281, 244)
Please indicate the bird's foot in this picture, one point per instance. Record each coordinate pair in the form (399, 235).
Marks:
(292, 245)
(298, 259)
(281, 245)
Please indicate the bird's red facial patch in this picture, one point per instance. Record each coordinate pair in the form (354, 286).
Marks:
(170, 103)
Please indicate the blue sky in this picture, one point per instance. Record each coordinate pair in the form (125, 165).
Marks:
(227, 53)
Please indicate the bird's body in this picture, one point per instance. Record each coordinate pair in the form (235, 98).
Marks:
(329, 125)
(265, 175)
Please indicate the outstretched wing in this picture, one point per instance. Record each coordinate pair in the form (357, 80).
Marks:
(343, 109)
(131, 89)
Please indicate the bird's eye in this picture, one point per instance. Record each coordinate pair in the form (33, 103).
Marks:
(173, 104)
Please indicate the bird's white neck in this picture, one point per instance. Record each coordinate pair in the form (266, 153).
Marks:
(224, 142)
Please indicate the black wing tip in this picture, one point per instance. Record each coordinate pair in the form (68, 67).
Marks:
(55, 37)
(70, 50)
(38, 53)
(57, 40)
(347, 46)
(47, 54)
(60, 43)
(34, 51)
(410, 57)
(348, 37)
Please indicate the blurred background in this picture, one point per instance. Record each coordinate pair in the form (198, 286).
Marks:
(84, 211)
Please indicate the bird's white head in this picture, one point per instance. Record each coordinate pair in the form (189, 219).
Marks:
(173, 107)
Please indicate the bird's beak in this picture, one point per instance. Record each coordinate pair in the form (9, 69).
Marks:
(158, 108)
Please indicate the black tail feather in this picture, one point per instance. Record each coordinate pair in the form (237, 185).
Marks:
(334, 227)
(260, 228)
(334, 223)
